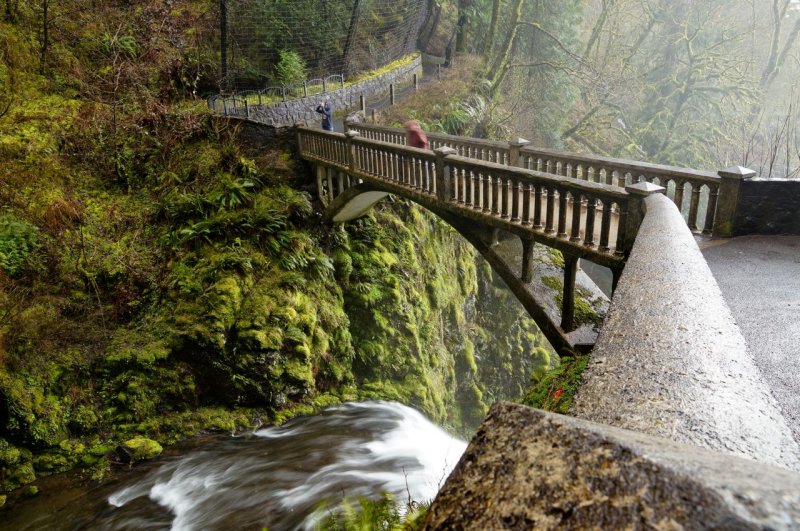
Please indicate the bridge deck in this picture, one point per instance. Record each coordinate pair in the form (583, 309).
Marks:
(760, 279)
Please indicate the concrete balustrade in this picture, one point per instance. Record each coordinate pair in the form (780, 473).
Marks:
(700, 203)
(591, 217)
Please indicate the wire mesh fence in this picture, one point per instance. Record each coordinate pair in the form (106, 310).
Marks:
(328, 36)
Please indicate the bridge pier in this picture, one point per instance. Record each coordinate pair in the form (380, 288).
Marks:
(568, 296)
(527, 260)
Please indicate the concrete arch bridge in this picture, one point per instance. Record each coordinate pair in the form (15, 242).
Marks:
(587, 208)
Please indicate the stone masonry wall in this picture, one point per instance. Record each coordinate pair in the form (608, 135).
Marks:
(768, 207)
(302, 110)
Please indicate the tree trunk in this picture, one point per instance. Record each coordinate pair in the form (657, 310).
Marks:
(779, 8)
(223, 43)
(488, 43)
(498, 70)
(351, 31)
(45, 34)
(433, 29)
(461, 26)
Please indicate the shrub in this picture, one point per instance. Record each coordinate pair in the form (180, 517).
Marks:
(290, 68)
(19, 242)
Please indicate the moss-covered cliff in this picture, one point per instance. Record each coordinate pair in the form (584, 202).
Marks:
(159, 278)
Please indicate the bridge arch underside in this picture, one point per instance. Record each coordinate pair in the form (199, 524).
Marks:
(511, 259)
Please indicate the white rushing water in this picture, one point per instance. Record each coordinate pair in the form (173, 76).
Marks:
(293, 476)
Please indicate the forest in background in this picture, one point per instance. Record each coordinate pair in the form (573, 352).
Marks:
(704, 85)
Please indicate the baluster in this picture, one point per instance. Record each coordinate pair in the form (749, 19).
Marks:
(479, 203)
(591, 209)
(470, 185)
(487, 206)
(576, 217)
(562, 214)
(515, 198)
(496, 196)
(537, 207)
(527, 199)
(713, 194)
(605, 225)
(621, 176)
(678, 199)
(551, 205)
(464, 186)
(695, 202)
(506, 199)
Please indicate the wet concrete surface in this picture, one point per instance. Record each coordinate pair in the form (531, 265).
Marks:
(670, 360)
(760, 280)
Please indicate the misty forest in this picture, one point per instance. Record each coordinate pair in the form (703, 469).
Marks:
(172, 296)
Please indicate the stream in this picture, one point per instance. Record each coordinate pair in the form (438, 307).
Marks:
(286, 477)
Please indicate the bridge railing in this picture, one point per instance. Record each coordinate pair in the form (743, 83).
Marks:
(586, 219)
(701, 187)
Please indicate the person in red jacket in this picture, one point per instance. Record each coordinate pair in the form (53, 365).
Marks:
(415, 136)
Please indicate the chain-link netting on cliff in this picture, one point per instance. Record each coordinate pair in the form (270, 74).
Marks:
(265, 38)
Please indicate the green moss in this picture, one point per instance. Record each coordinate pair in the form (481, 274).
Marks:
(556, 258)
(142, 448)
(295, 411)
(555, 389)
(554, 283)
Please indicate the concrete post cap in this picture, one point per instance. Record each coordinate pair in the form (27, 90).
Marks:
(737, 172)
(444, 151)
(644, 189)
(351, 134)
(519, 142)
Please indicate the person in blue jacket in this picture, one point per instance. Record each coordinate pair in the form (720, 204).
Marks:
(326, 110)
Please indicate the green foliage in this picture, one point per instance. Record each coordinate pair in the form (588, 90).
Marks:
(291, 68)
(122, 44)
(19, 243)
(555, 389)
(367, 515)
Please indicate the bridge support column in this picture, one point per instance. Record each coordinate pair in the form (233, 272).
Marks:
(514, 147)
(634, 214)
(568, 296)
(527, 261)
(351, 150)
(728, 199)
(444, 185)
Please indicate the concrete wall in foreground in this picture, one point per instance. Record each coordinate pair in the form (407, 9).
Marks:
(768, 207)
(528, 469)
(671, 362)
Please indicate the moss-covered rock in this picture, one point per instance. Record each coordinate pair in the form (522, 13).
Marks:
(139, 449)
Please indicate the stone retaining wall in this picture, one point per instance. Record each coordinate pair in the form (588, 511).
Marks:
(302, 110)
(768, 207)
